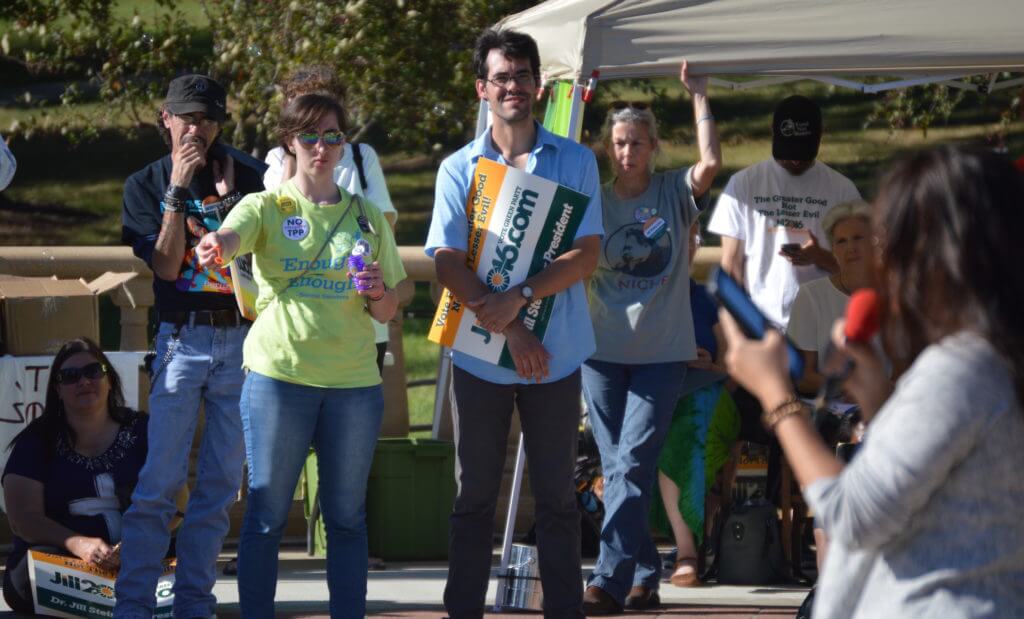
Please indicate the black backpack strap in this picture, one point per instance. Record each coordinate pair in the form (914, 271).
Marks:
(357, 156)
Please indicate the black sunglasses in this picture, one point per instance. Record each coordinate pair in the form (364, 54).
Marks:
(636, 105)
(71, 376)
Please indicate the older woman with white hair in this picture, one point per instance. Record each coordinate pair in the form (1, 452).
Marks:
(820, 302)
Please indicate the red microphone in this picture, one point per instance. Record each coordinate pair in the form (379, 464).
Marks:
(862, 316)
(863, 320)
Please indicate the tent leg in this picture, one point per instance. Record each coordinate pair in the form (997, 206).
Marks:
(510, 518)
(444, 368)
(575, 114)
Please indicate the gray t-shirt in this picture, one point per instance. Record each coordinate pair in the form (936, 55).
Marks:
(640, 291)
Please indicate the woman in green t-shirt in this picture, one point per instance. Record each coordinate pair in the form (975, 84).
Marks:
(312, 377)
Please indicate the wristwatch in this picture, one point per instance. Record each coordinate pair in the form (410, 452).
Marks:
(527, 292)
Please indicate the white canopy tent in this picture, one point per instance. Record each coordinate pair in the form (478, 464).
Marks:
(910, 41)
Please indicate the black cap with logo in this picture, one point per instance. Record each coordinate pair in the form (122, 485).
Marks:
(197, 93)
(796, 129)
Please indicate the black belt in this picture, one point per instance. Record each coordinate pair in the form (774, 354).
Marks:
(205, 318)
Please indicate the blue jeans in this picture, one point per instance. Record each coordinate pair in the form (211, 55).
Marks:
(205, 364)
(630, 410)
(281, 421)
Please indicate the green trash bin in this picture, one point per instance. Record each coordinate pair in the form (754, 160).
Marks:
(409, 497)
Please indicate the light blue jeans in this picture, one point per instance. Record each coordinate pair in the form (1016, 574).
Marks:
(281, 421)
(630, 408)
(205, 364)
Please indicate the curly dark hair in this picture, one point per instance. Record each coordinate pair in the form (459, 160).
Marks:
(948, 221)
(315, 79)
(512, 44)
(53, 423)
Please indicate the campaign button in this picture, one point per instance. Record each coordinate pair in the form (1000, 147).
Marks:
(286, 205)
(295, 228)
(643, 213)
(654, 228)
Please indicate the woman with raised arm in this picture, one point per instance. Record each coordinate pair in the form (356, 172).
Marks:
(640, 307)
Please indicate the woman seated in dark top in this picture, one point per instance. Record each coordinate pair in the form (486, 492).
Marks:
(71, 472)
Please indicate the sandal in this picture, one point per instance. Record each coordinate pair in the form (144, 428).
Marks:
(685, 574)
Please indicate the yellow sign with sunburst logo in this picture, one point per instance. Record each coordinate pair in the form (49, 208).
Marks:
(518, 224)
(64, 586)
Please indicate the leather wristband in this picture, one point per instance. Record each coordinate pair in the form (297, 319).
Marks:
(177, 191)
(792, 406)
(174, 205)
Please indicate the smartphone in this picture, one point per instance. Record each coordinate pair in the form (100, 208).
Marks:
(752, 322)
(790, 248)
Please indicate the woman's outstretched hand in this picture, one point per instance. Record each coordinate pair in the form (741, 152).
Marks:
(694, 84)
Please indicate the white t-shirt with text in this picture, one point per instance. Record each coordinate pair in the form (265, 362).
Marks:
(765, 207)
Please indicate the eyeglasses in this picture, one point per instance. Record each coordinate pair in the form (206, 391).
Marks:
(202, 122)
(504, 80)
(636, 105)
(330, 138)
(71, 376)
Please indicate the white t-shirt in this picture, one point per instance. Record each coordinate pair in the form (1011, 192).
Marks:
(347, 177)
(817, 306)
(765, 207)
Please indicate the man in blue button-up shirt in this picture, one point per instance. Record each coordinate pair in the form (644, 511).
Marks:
(545, 386)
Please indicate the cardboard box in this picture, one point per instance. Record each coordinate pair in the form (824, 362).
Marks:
(40, 314)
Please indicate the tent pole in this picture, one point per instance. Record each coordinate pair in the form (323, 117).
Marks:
(575, 113)
(504, 577)
(483, 121)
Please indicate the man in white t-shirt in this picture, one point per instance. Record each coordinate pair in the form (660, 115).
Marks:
(770, 214)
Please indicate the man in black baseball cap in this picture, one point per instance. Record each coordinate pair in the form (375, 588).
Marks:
(769, 215)
(168, 206)
(796, 133)
(197, 93)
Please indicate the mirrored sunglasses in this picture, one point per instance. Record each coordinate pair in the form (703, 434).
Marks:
(92, 371)
(330, 138)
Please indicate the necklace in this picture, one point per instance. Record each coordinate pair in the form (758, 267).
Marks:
(842, 287)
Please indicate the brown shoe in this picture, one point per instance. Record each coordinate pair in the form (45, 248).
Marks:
(596, 601)
(642, 598)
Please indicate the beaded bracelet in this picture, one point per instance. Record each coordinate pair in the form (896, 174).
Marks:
(703, 118)
(791, 406)
(174, 205)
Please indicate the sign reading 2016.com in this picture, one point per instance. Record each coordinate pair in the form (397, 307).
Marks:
(69, 587)
(518, 224)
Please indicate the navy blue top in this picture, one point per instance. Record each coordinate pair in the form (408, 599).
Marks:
(705, 316)
(86, 495)
(195, 288)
